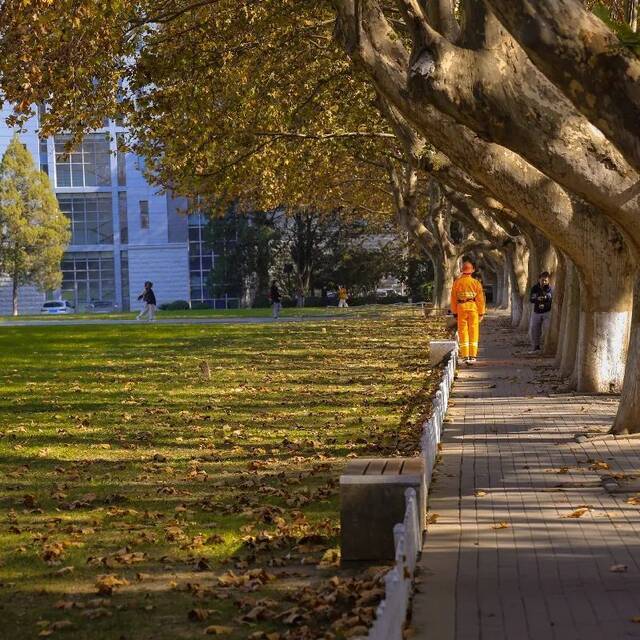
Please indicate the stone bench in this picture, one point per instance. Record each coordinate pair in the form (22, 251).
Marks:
(439, 350)
(372, 502)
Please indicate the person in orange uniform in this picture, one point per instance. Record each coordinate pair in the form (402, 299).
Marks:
(468, 306)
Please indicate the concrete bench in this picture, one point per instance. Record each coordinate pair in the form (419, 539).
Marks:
(372, 502)
(439, 349)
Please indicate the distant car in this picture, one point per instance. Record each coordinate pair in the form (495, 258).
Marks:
(57, 307)
(101, 306)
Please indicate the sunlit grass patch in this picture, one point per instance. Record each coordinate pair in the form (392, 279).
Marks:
(168, 456)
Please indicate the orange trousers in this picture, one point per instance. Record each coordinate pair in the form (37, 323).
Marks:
(468, 329)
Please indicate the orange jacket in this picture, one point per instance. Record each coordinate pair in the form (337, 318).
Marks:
(467, 289)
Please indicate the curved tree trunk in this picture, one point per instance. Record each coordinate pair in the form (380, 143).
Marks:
(628, 417)
(583, 57)
(605, 315)
(506, 283)
(551, 342)
(445, 268)
(571, 323)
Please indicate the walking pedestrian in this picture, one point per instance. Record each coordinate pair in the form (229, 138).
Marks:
(342, 297)
(276, 300)
(468, 306)
(541, 297)
(149, 299)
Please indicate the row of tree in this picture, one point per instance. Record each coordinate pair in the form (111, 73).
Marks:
(519, 121)
(304, 253)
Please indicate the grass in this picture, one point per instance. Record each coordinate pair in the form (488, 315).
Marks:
(165, 457)
(183, 313)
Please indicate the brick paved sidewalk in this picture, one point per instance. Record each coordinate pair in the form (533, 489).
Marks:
(503, 559)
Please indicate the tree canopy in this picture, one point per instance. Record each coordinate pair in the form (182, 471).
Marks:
(33, 231)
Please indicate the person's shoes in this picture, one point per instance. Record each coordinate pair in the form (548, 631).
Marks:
(471, 361)
(534, 352)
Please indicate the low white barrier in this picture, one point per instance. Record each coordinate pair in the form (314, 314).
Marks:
(391, 613)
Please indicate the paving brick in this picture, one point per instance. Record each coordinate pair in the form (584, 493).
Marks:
(544, 575)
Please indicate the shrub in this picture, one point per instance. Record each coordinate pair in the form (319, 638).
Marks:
(176, 305)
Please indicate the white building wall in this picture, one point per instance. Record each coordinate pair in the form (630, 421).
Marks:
(167, 266)
(154, 254)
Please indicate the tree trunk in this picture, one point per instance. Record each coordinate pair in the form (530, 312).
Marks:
(516, 307)
(498, 301)
(583, 57)
(445, 270)
(525, 318)
(628, 417)
(570, 323)
(605, 315)
(553, 333)
(631, 13)
(14, 292)
(506, 290)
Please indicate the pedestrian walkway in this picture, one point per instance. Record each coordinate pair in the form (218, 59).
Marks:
(524, 541)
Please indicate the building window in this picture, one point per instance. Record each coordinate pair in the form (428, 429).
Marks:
(88, 165)
(124, 217)
(42, 110)
(121, 160)
(88, 277)
(91, 217)
(124, 277)
(44, 156)
(144, 214)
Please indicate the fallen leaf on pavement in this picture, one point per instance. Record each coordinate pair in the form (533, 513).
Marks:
(579, 512)
(618, 568)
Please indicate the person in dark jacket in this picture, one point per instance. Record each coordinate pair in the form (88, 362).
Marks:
(149, 299)
(276, 300)
(541, 297)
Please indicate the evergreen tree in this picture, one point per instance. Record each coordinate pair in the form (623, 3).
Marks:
(33, 230)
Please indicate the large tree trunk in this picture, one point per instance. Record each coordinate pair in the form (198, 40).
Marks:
(497, 92)
(570, 323)
(631, 13)
(445, 269)
(551, 342)
(506, 291)
(583, 57)
(605, 315)
(628, 417)
(517, 259)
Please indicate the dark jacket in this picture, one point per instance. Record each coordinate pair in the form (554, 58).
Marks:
(148, 296)
(541, 298)
(274, 294)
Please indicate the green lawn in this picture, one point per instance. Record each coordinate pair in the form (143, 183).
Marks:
(161, 480)
(186, 313)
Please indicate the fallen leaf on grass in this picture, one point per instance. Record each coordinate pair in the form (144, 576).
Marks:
(618, 568)
(218, 630)
(198, 615)
(106, 584)
(500, 525)
(94, 614)
(55, 626)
